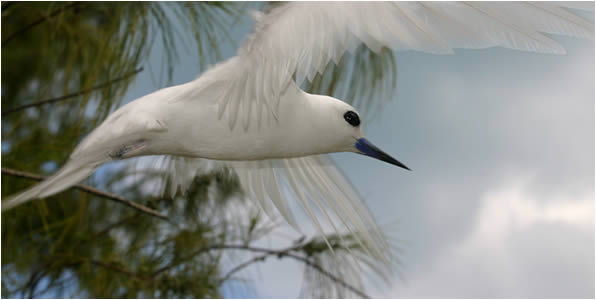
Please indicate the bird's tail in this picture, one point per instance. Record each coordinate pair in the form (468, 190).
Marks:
(70, 174)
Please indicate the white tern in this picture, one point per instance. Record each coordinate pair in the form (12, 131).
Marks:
(250, 114)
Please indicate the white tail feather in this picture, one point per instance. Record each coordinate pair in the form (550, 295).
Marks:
(72, 173)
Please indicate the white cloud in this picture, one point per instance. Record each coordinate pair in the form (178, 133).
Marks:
(510, 208)
(505, 255)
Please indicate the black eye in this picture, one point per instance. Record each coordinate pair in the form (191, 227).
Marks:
(352, 118)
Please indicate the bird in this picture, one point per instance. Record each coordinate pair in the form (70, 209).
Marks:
(250, 114)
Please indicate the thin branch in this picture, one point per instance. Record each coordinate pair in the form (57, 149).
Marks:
(92, 191)
(306, 261)
(68, 96)
(39, 21)
(113, 225)
(119, 270)
(287, 252)
(33, 282)
(206, 249)
(244, 265)
(51, 285)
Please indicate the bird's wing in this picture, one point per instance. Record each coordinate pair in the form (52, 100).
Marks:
(323, 192)
(321, 189)
(300, 38)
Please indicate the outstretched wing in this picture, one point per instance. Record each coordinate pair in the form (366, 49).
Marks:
(300, 38)
(323, 192)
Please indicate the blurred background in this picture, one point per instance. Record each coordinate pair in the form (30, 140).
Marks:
(500, 202)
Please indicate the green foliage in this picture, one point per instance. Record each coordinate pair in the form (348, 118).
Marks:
(108, 250)
(76, 244)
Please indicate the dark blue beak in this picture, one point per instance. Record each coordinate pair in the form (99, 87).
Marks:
(367, 148)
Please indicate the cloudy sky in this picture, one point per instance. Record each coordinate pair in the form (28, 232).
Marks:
(500, 202)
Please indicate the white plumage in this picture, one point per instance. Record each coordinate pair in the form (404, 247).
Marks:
(248, 112)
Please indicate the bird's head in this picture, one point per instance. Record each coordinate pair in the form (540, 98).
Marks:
(344, 121)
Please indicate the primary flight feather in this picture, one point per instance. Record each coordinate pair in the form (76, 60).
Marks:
(248, 112)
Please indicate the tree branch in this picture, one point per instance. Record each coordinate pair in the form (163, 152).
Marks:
(33, 282)
(118, 269)
(92, 191)
(39, 21)
(287, 252)
(244, 265)
(68, 96)
(306, 261)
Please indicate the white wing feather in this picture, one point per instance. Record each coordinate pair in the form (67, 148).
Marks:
(301, 38)
(320, 188)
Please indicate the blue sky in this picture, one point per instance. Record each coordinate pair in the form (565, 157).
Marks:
(500, 202)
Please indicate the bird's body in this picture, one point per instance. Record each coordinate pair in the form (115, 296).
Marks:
(155, 123)
(250, 112)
